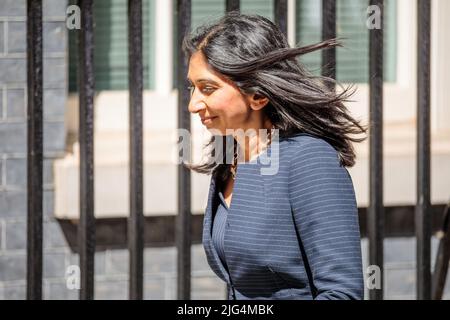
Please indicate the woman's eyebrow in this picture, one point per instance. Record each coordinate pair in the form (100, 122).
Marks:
(204, 80)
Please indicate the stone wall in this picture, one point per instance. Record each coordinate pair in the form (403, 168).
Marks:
(111, 266)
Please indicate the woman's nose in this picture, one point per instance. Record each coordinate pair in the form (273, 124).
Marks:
(196, 106)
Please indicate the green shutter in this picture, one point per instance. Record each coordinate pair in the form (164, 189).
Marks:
(353, 59)
(111, 46)
(111, 57)
(262, 7)
(204, 11)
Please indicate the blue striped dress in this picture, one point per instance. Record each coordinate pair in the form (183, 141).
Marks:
(289, 235)
(218, 231)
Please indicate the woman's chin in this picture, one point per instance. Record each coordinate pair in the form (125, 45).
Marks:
(215, 131)
(219, 130)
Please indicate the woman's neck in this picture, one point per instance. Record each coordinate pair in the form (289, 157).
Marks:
(255, 142)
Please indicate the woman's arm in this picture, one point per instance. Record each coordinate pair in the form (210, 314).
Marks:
(326, 218)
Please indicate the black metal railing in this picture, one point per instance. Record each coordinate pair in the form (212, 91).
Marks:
(376, 208)
(136, 219)
(329, 32)
(86, 227)
(184, 218)
(422, 216)
(34, 150)
(442, 257)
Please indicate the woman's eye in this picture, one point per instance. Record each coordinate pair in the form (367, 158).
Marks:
(208, 89)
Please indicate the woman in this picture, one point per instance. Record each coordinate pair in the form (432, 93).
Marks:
(292, 234)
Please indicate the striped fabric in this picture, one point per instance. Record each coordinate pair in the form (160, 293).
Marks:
(218, 230)
(293, 234)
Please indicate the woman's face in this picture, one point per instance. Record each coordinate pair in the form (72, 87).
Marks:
(218, 101)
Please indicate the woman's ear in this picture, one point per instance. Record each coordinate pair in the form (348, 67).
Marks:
(258, 101)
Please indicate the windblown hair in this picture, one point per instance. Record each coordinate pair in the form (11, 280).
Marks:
(251, 51)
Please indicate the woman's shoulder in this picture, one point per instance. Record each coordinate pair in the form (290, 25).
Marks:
(308, 144)
(314, 157)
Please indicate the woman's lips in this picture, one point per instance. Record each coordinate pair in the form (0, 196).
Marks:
(207, 119)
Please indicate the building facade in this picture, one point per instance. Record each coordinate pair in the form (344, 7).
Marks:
(160, 109)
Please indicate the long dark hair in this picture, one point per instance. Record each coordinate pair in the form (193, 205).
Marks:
(253, 53)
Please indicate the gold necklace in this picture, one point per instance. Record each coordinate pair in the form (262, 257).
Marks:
(233, 167)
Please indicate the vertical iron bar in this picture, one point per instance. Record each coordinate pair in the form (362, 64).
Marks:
(281, 8)
(329, 32)
(86, 227)
(183, 227)
(34, 150)
(232, 5)
(376, 207)
(442, 257)
(422, 213)
(136, 219)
